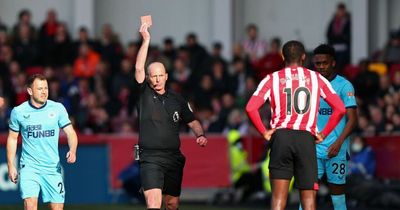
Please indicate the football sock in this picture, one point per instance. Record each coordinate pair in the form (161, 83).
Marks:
(339, 202)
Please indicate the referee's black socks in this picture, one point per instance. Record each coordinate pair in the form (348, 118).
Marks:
(153, 209)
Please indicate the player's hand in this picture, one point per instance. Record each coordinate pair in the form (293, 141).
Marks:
(334, 149)
(202, 141)
(267, 134)
(1, 102)
(13, 174)
(71, 157)
(320, 137)
(144, 31)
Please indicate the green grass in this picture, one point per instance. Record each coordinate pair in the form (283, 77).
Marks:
(133, 207)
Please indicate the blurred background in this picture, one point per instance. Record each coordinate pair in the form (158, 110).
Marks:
(216, 52)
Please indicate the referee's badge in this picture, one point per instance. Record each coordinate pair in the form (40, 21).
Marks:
(175, 117)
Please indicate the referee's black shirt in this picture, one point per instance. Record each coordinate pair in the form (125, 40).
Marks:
(159, 118)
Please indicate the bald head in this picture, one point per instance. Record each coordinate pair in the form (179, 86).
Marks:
(156, 66)
(157, 77)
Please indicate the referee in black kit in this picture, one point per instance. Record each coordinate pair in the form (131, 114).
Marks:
(160, 113)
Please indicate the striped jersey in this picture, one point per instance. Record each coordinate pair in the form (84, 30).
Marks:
(294, 94)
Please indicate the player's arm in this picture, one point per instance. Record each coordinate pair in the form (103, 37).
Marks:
(72, 143)
(142, 54)
(351, 114)
(337, 105)
(197, 129)
(12, 143)
(254, 104)
(1, 102)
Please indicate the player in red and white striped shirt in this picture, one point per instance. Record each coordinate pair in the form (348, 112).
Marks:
(294, 94)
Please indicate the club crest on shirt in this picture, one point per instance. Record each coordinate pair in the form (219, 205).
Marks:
(52, 115)
(175, 117)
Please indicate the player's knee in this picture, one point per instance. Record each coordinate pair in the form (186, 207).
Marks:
(30, 204)
(172, 204)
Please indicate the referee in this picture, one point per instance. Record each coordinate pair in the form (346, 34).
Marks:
(160, 113)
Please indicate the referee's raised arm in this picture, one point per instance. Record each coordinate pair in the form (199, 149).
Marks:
(142, 55)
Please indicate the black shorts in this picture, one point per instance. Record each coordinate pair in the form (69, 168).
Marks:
(293, 154)
(162, 170)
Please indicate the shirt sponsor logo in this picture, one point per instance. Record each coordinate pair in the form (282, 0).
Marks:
(325, 111)
(36, 131)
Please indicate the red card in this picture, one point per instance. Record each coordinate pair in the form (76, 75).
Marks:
(146, 19)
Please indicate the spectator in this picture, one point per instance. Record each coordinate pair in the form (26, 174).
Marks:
(366, 84)
(85, 64)
(131, 52)
(198, 56)
(25, 48)
(4, 40)
(169, 51)
(61, 51)
(47, 33)
(3, 26)
(5, 112)
(391, 53)
(180, 75)
(216, 54)
(83, 38)
(339, 36)
(254, 47)
(271, 61)
(220, 78)
(202, 95)
(24, 19)
(110, 48)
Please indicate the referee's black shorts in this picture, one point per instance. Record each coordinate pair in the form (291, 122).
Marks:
(162, 169)
(293, 153)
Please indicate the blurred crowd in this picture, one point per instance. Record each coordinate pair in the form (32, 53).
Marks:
(93, 76)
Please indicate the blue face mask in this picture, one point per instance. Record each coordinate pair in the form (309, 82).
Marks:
(356, 147)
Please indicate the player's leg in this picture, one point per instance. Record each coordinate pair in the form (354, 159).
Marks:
(53, 190)
(173, 181)
(307, 199)
(305, 169)
(281, 167)
(30, 203)
(30, 187)
(321, 163)
(56, 206)
(280, 191)
(153, 198)
(336, 177)
(152, 180)
(171, 202)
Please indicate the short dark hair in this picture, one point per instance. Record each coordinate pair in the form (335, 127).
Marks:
(292, 51)
(252, 26)
(342, 6)
(277, 40)
(168, 40)
(325, 50)
(23, 12)
(32, 78)
(217, 45)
